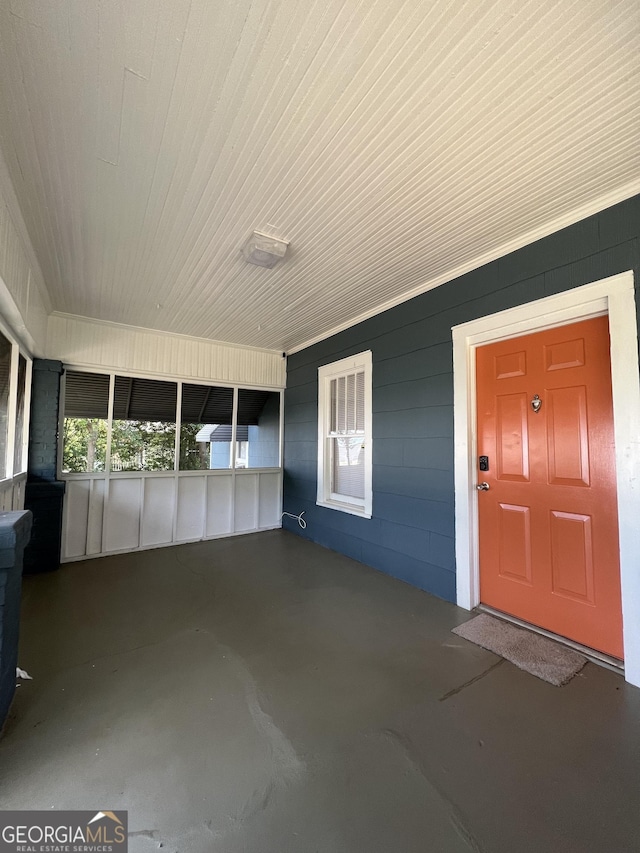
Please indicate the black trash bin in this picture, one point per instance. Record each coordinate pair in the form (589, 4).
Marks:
(14, 535)
(44, 499)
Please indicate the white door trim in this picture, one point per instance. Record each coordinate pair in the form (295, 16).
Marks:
(613, 296)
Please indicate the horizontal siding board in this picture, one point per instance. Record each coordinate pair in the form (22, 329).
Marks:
(442, 551)
(388, 451)
(414, 394)
(299, 431)
(431, 485)
(299, 394)
(346, 544)
(300, 450)
(429, 361)
(427, 453)
(435, 421)
(302, 413)
(579, 241)
(526, 290)
(419, 573)
(436, 516)
(410, 541)
(411, 533)
(302, 469)
(614, 260)
(620, 224)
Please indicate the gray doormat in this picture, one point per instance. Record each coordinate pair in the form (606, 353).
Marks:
(532, 652)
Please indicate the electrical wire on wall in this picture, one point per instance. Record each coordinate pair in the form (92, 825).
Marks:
(298, 518)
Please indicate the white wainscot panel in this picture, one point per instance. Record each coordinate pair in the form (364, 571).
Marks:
(157, 515)
(219, 504)
(76, 515)
(18, 492)
(103, 516)
(191, 508)
(96, 517)
(269, 503)
(246, 502)
(123, 514)
(7, 495)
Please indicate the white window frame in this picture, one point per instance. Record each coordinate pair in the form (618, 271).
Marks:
(325, 496)
(17, 350)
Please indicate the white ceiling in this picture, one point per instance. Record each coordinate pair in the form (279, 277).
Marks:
(394, 144)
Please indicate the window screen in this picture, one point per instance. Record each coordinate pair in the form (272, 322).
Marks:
(19, 461)
(86, 406)
(5, 373)
(205, 429)
(144, 424)
(258, 431)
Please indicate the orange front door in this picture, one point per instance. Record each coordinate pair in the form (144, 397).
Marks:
(548, 523)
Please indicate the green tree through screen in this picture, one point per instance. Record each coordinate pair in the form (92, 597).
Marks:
(85, 445)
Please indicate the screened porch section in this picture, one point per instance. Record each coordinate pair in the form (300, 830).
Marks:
(150, 462)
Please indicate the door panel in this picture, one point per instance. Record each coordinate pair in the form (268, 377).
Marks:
(572, 556)
(512, 437)
(515, 542)
(548, 524)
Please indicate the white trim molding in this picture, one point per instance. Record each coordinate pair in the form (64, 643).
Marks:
(613, 296)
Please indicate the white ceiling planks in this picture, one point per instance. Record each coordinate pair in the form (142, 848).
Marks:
(394, 144)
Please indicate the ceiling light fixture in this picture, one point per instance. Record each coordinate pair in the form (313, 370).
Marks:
(263, 250)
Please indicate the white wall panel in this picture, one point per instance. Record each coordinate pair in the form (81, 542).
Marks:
(96, 517)
(76, 516)
(269, 500)
(219, 505)
(138, 512)
(191, 508)
(246, 502)
(85, 342)
(22, 303)
(18, 492)
(122, 516)
(6, 499)
(157, 514)
(6, 496)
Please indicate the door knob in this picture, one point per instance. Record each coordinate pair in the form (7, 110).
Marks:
(483, 487)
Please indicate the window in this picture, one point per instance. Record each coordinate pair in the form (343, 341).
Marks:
(146, 429)
(344, 435)
(205, 428)
(19, 455)
(5, 374)
(143, 433)
(15, 395)
(258, 429)
(86, 406)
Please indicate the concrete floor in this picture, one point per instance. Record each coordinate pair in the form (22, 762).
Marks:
(264, 695)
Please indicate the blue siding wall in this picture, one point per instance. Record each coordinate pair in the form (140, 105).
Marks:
(264, 439)
(411, 533)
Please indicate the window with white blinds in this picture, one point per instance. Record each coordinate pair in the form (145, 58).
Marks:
(344, 435)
